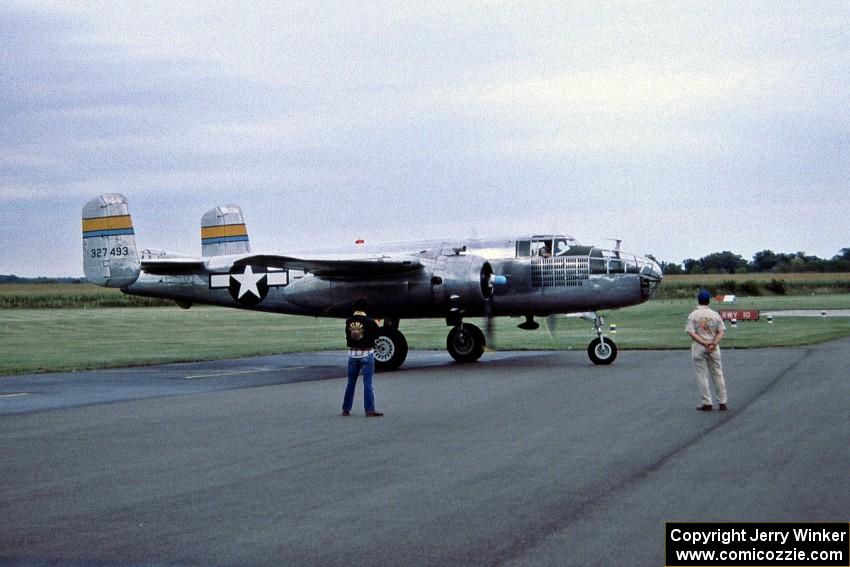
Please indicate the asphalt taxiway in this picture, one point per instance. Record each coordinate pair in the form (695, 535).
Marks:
(520, 459)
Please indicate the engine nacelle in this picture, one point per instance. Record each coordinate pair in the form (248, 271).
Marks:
(461, 283)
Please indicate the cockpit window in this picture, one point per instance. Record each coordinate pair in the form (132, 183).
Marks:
(542, 248)
(562, 246)
(523, 248)
(545, 246)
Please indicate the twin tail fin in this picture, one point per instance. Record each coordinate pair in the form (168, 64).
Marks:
(110, 258)
(223, 232)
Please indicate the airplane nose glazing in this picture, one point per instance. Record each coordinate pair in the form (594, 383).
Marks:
(654, 269)
(650, 276)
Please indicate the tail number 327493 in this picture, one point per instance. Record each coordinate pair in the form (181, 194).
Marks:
(104, 252)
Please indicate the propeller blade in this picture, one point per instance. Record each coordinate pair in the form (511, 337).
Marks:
(489, 325)
(552, 326)
(492, 280)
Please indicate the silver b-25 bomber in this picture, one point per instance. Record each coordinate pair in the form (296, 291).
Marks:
(533, 276)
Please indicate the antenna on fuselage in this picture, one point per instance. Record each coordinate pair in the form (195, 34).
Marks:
(616, 241)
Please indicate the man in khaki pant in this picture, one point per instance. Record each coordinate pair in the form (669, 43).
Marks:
(706, 328)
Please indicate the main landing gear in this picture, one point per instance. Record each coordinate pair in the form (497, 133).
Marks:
(390, 347)
(465, 343)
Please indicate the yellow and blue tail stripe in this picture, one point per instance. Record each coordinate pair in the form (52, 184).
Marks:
(224, 233)
(108, 226)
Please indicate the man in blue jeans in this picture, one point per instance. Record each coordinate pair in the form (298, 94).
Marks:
(361, 331)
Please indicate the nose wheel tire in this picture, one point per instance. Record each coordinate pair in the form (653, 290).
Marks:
(466, 343)
(390, 349)
(602, 353)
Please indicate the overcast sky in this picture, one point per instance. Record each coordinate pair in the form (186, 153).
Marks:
(682, 128)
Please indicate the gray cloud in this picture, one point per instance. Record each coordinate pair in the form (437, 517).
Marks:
(598, 119)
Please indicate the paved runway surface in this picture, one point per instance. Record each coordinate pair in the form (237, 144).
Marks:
(520, 459)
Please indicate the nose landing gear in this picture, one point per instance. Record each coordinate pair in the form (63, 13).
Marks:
(601, 351)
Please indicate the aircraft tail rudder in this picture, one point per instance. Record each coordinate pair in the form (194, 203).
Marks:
(110, 258)
(223, 232)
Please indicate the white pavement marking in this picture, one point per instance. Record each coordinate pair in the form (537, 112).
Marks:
(14, 395)
(242, 372)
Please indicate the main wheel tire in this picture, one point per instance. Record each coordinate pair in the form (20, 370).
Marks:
(466, 343)
(390, 349)
(602, 353)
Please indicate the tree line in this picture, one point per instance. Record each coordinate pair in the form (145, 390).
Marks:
(13, 279)
(765, 261)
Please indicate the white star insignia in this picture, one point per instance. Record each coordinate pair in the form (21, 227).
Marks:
(248, 282)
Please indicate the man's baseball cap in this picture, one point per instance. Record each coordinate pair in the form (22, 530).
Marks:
(704, 296)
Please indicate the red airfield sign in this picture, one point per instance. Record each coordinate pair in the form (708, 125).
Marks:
(739, 314)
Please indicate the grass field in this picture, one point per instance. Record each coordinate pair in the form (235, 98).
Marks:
(40, 340)
(684, 286)
(56, 295)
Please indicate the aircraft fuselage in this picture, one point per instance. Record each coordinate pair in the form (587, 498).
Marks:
(534, 286)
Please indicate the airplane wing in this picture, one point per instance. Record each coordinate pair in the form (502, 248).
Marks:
(160, 262)
(340, 266)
